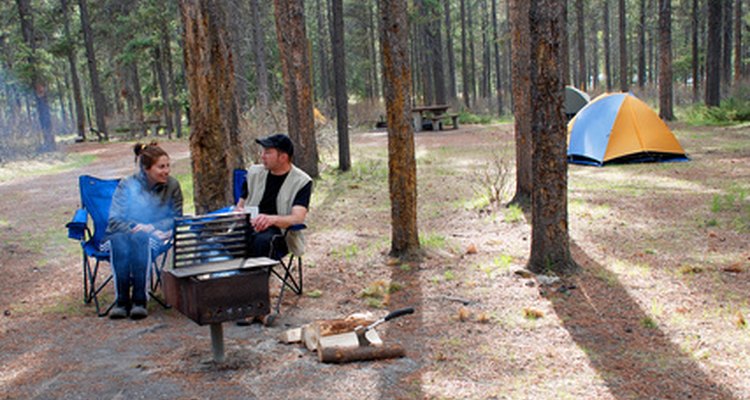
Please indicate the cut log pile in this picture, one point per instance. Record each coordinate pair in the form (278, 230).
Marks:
(336, 341)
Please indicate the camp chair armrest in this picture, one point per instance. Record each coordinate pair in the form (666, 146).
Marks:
(77, 227)
(296, 227)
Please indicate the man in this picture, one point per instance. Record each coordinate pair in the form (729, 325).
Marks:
(281, 192)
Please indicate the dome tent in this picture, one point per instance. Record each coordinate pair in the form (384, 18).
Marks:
(575, 100)
(619, 127)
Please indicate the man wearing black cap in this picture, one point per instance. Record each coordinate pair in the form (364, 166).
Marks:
(281, 192)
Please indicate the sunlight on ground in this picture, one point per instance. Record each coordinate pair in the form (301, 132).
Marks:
(15, 169)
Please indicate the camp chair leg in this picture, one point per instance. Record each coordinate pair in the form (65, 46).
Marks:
(156, 281)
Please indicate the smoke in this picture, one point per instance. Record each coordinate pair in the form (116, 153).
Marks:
(20, 131)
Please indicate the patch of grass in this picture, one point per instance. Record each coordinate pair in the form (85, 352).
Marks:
(731, 111)
(186, 184)
(465, 117)
(405, 267)
(513, 214)
(347, 252)
(449, 275)
(433, 241)
(377, 293)
(649, 323)
(689, 269)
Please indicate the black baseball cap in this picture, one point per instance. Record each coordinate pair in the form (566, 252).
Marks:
(279, 141)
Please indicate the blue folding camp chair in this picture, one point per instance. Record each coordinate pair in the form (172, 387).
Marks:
(290, 271)
(96, 200)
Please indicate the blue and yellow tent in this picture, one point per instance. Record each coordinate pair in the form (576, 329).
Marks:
(619, 127)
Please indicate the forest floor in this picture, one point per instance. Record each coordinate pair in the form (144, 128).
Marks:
(657, 311)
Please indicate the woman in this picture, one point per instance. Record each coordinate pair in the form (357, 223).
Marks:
(143, 209)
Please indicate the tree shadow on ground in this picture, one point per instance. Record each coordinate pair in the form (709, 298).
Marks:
(403, 380)
(624, 345)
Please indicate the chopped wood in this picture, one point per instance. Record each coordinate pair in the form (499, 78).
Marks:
(289, 336)
(347, 340)
(309, 337)
(365, 353)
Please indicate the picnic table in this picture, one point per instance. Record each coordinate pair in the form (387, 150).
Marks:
(436, 113)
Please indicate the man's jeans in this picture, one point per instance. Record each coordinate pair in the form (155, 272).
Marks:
(261, 243)
(130, 258)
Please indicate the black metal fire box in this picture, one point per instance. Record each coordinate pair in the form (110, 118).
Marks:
(211, 279)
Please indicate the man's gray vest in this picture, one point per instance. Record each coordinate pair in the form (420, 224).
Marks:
(296, 180)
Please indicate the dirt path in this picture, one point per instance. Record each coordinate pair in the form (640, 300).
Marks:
(653, 314)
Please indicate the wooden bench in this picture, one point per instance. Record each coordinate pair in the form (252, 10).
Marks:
(437, 120)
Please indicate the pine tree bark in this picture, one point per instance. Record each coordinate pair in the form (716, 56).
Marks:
(624, 71)
(263, 94)
(472, 55)
(642, 44)
(100, 103)
(694, 48)
(465, 82)
(607, 46)
(164, 88)
(665, 60)
(214, 136)
(295, 67)
(173, 105)
(339, 74)
(402, 166)
(374, 72)
(550, 250)
(521, 85)
(738, 68)
(38, 84)
(436, 52)
(451, 53)
(713, 54)
(581, 36)
(75, 80)
(324, 70)
(726, 41)
(496, 48)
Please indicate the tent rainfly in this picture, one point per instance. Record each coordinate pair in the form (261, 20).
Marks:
(620, 128)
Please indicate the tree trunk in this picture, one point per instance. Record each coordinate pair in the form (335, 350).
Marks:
(520, 79)
(263, 96)
(550, 251)
(665, 60)
(214, 136)
(624, 72)
(694, 42)
(236, 26)
(100, 103)
(339, 73)
(726, 52)
(131, 90)
(565, 60)
(38, 84)
(642, 44)
(464, 66)
(374, 71)
(496, 48)
(325, 86)
(607, 47)
(738, 69)
(472, 56)
(436, 52)
(80, 114)
(402, 165)
(295, 67)
(713, 54)
(581, 36)
(451, 55)
(164, 87)
(174, 104)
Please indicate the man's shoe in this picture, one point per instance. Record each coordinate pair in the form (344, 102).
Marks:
(118, 312)
(138, 312)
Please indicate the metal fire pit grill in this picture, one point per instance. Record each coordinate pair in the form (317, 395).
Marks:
(211, 279)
